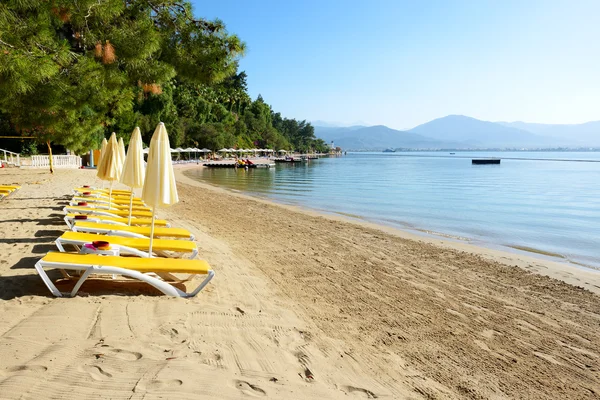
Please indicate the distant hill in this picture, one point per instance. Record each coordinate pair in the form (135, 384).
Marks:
(377, 137)
(462, 132)
(586, 134)
(479, 133)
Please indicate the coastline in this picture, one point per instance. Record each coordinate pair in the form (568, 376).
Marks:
(304, 305)
(538, 262)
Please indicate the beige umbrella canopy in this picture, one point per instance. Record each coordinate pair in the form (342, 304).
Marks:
(160, 189)
(111, 165)
(102, 150)
(133, 168)
(122, 149)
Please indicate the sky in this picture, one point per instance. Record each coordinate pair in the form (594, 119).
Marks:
(403, 63)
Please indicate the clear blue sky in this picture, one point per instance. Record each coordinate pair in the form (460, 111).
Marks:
(403, 63)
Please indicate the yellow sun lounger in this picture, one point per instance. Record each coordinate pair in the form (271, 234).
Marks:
(108, 213)
(134, 246)
(122, 221)
(7, 190)
(130, 231)
(106, 206)
(104, 196)
(102, 191)
(144, 269)
(118, 200)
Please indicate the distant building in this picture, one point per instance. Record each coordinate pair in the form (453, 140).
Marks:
(332, 147)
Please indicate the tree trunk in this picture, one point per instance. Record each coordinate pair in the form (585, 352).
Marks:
(50, 157)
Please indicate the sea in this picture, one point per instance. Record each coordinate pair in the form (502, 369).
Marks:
(542, 202)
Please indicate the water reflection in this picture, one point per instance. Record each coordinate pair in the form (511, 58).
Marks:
(552, 206)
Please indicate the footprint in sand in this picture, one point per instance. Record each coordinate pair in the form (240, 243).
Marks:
(95, 372)
(250, 389)
(365, 392)
(163, 384)
(125, 355)
(36, 369)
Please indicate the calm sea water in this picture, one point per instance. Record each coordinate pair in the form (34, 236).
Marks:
(550, 206)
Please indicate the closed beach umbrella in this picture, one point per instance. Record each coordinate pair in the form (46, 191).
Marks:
(122, 150)
(102, 150)
(133, 168)
(111, 165)
(160, 189)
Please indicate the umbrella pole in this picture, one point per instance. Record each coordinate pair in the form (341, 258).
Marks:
(130, 207)
(110, 196)
(151, 232)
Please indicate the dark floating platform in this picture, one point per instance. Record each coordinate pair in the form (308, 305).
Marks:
(480, 161)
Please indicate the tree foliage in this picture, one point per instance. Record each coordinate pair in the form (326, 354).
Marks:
(72, 72)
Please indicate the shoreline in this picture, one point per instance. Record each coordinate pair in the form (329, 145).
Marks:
(533, 261)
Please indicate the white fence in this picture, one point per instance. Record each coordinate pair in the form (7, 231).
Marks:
(10, 158)
(57, 161)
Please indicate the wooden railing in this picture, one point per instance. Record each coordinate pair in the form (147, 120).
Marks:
(10, 158)
(57, 161)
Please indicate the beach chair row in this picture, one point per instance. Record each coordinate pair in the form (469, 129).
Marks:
(106, 244)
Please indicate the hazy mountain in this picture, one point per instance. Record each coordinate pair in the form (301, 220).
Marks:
(329, 124)
(377, 137)
(325, 124)
(461, 132)
(478, 133)
(586, 134)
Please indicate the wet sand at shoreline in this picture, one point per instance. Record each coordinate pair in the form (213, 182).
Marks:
(302, 306)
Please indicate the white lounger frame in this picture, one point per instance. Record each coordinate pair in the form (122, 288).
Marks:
(96, 211)
(122, 249)
(71, 221)
(115, 232)
(163, 286)
(93, 204)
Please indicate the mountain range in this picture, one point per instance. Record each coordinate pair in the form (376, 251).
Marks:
(462, 132)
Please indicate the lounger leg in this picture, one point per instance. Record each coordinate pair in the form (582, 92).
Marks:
(211, 274)
(58, 243)
(40, 270)
(68, 223)
(80, 281)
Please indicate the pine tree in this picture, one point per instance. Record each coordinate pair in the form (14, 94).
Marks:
(70, 70)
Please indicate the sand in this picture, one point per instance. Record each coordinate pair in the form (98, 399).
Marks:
(303, 306)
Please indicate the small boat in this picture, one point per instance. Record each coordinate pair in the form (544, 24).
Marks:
(389, 151)
(480, 161)
(452, 153)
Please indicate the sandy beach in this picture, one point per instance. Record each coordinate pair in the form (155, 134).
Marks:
(303, 306)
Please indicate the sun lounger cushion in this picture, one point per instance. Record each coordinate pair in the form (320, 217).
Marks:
(114, 191)
(95, 227)
(118, 200)
(156, 264)
(121, 220)
(104, 206)
(120, 213)
(179, 246)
